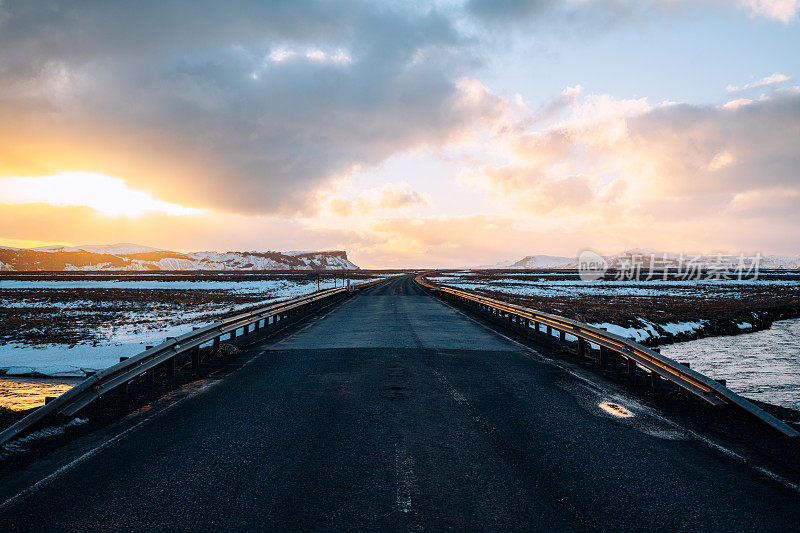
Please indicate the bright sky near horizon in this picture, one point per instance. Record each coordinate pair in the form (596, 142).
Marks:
(444, 134)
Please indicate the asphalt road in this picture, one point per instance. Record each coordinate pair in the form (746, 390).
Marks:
(395, 411)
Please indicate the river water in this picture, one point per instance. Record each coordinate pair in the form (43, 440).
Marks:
(18, 393)
(764, 365)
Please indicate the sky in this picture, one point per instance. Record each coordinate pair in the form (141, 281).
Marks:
(410, 134)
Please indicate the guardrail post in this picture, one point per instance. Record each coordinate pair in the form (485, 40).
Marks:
(604, 356)
(562, 336)
(654, 379)
(149, 377)
(196, 356)
(215, 349)
(581, 347)
(631, 367)
(233, 333)
(170, 367)
(549, 331)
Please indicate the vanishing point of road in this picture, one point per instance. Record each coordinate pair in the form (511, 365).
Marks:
(395, 411)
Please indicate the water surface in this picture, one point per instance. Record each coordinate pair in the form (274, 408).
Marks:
(23, 393)
(764, 365)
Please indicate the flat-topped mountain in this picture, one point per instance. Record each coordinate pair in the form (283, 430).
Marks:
(126, 256)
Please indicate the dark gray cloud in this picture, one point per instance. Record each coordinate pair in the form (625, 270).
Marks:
(264, 101)
(723, 150)
(508, 10)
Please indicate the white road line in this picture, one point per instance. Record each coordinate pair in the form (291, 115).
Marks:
(406, 479)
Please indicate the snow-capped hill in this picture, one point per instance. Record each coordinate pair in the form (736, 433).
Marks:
(660, 259)
(533, 262)
(122, 248)
(53, 248)
(789, 262)
(545, 261)
(647, 257)
(127, 256)
(500, 265)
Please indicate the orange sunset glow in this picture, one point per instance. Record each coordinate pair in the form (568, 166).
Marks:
(448, 155)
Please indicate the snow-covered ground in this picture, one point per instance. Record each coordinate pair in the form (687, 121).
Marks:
(62, 360)
(121, 315)
(650, 330)
(549, 287)
(285, 288)
(764, 365)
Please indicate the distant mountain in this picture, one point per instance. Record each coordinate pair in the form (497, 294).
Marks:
(127, 256)
(123, 248)
(644, 257)
(534, 262)
(545, 261)
(673, 260)
(789, 262)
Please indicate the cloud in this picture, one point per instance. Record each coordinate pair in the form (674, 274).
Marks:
(392, 196)
(719, 150)
(783, 10)
(45, 224)
(601, 12)
(242, 108)
(250, 106)
(769, 81)
(508, 10)
(667, 167)
(452, 241)
(671, 148)
(530, 188)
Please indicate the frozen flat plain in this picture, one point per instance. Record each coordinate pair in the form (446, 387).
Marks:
(68, 327)
(644, 309)
(764, 364)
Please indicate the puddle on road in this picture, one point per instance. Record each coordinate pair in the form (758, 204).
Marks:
(599, 402)
(615, 409)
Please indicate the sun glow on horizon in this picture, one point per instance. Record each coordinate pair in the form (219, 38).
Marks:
(105, 194)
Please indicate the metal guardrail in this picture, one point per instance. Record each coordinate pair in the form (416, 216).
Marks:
(165, 354)
(369, 283)
(636, 354)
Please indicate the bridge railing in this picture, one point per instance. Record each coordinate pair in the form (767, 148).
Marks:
(609, 343)
(166, 355)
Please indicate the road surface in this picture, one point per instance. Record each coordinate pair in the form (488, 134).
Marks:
(396, 411)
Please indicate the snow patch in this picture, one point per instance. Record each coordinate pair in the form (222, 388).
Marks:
(17, 445)
(650, 330)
